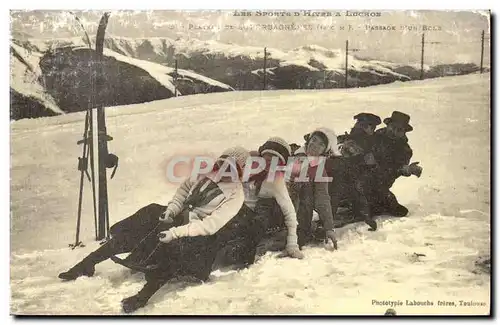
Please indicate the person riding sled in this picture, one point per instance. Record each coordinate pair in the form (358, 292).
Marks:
(311, 192)
(267, 196)
(182, 238)
(266, 193)
(351, 172)
(362, 135)
(392, 155)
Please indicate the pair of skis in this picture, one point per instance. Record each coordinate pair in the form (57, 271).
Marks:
(105, 159)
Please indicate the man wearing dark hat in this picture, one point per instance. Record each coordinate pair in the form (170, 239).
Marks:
(351, 172)
(360, 139)
(367, 122)
(392, 155)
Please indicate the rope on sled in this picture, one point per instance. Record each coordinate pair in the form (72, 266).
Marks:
(139, 266)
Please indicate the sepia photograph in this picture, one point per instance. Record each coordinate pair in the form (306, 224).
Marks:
(250, 162)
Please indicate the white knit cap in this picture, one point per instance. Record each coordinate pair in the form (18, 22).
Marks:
(239, 154)
(332, 140)
(281, 142)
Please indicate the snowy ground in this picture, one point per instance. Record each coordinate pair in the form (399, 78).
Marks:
(449, 205)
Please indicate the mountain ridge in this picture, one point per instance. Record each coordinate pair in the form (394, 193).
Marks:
(217, 66)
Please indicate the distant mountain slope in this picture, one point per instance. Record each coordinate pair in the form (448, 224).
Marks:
(55, 77)
(28, 95)
(241, 67)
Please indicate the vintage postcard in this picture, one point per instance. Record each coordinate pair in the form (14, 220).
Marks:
(250, 162)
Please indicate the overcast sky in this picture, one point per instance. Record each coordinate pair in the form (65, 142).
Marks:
(459, 33)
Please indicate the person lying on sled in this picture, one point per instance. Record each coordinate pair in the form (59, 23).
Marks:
(190, 224)
(273, 200)
(267, 197)
(352, 171)
(312, 193)
(392, 154)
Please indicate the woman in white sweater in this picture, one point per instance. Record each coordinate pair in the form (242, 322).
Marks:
(274, 191)
(191, 224)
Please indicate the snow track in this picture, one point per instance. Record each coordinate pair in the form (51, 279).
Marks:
(449, 205)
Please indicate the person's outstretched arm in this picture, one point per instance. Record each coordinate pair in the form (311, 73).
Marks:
(212, 223)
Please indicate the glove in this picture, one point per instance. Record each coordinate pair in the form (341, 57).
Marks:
(330, 234)
(166, 236)
(415, 169)
(167, 216)
(370, 159)
(350, 149)
(293, 252)
(405, 170)
(412, 169)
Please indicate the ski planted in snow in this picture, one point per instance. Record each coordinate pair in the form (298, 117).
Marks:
(105, 159)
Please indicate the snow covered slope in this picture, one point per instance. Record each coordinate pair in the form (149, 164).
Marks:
(449, 205)
(60, 79)
(29, 98)
(164, 74)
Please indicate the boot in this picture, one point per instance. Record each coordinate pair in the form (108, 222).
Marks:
(362, 210)
(87, 266)
(133, 303)
(81, 269)
(399, 211)
(388, 204)
(140, 299)
(319, 233)
(366, 215)
(394, 208)
(372, 223)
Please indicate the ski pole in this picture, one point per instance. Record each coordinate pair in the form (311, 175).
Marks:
(82, 167)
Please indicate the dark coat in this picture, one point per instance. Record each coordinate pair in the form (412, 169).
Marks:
(349, 184)
(362, 139)
(391, 155)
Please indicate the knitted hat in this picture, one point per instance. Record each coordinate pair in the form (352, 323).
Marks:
(238, 155)
(276, 146)
(330, 138)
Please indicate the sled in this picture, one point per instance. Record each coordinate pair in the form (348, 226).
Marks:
(344, 217)
(274, 240)
(131, 260)
(142, 253)
(133, 266)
